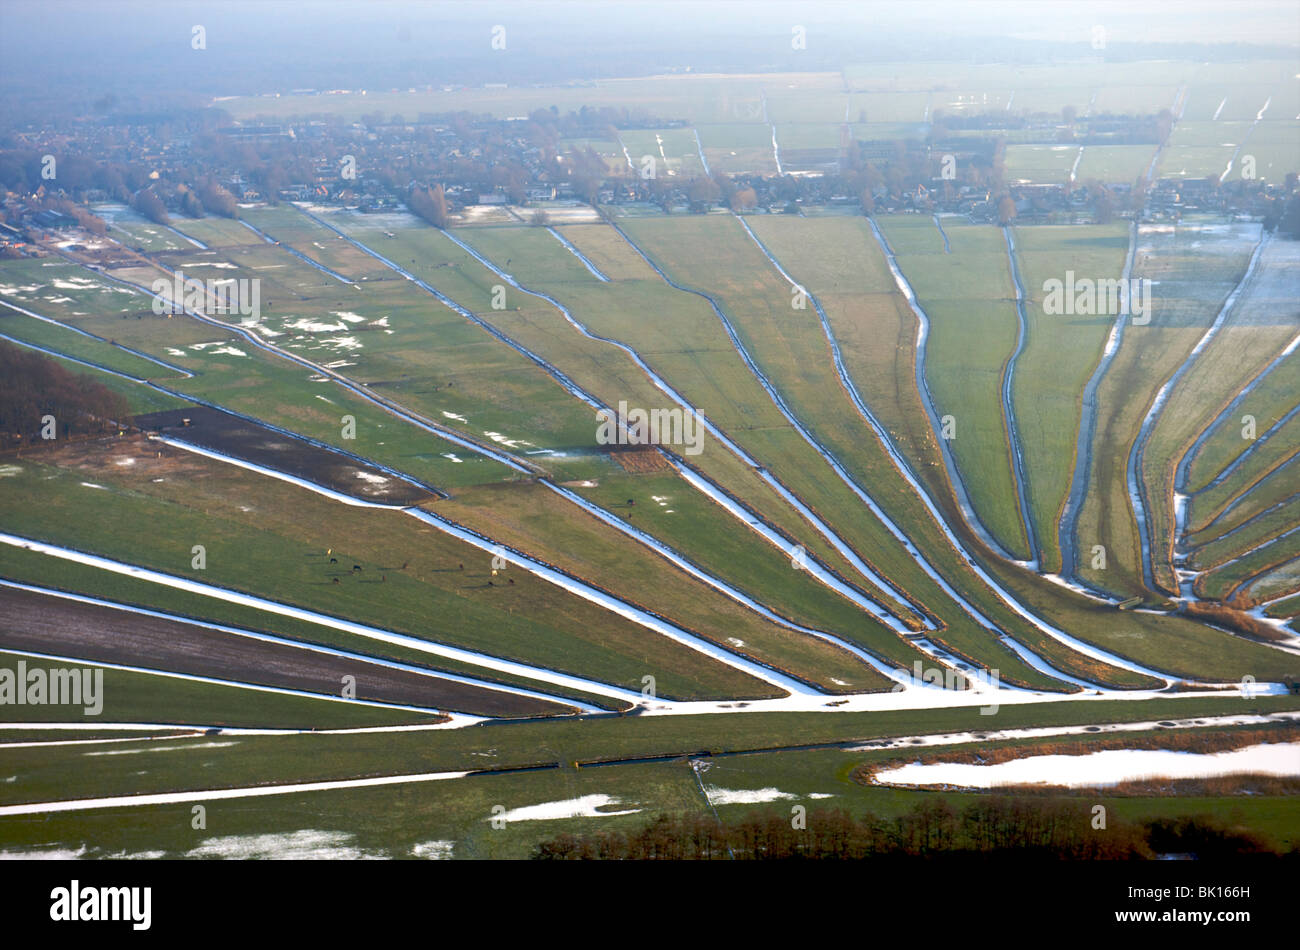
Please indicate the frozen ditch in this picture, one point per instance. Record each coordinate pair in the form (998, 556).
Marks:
(572, 249)
(1008, 406)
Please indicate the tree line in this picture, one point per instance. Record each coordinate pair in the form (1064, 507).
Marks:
(986, 827)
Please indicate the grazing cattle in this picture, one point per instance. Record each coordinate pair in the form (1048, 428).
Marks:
(404, 563)
(334, 560)
(336, 580)
(512, 580)
(462, 567)
(355, 568)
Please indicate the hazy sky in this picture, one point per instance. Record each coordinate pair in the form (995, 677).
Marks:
(57, 50)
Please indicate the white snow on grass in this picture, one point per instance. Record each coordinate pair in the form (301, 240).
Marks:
(163, 748)
(452, 415)
(372, 479)
(296, 845)
(745, 796)
(93, 485)
(136, 856)
(75, 283)
(343, 343)
(1104, 768)
(501, 439)
(588, 806)
(53, 854)
(434, 850)
(229, 351)
(9, 471)
(313, 326)
(348, 315)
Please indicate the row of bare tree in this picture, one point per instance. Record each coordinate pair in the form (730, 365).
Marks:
(988, 827)
(34, 387)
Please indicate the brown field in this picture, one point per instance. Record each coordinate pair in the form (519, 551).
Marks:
(96, 634)
(231, 435)
(639, 461)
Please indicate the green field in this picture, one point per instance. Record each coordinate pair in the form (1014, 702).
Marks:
(1060, 355)
(825, 534)
(969, 297)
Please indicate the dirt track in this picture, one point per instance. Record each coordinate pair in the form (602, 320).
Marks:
(46, 624)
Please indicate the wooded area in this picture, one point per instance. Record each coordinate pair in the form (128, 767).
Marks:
(33, 387)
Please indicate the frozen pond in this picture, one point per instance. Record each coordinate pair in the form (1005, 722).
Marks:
(1108, 767)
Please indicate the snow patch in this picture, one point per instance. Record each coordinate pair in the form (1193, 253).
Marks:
(585, 807)
(297, 845)
(745, 796)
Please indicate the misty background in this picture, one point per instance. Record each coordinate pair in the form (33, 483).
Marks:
(58, 57)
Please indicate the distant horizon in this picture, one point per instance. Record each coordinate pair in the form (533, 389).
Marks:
(144, 46)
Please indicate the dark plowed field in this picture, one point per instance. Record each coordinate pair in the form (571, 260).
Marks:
(236, 437)
(46, 624)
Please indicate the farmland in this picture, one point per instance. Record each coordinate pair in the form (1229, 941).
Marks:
(685, 344)
(485, 465)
